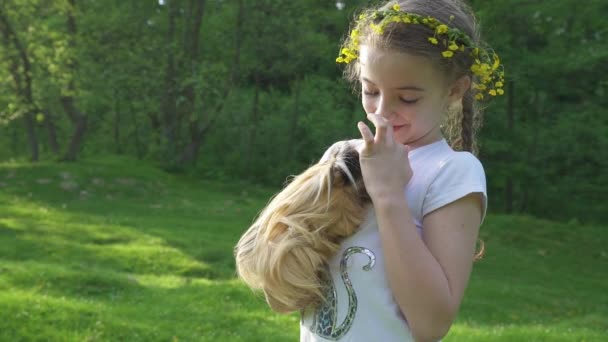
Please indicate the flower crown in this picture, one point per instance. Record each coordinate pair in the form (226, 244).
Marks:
(486, 65)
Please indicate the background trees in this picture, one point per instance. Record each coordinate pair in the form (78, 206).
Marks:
(239, 89)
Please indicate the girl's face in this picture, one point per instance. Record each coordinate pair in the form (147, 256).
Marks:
(408, 91)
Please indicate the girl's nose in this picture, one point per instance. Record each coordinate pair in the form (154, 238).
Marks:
(384, 109)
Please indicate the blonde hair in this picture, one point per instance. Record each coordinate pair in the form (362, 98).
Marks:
(285, 251)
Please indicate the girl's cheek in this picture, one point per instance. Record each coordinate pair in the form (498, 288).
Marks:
(368, 106)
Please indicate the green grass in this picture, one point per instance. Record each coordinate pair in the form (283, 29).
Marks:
(116, 250)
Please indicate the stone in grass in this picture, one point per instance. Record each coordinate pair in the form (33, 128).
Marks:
(125, 181)
(132, 279)
(65, 175)
(68, 185)
(98, 181)
(43, 181)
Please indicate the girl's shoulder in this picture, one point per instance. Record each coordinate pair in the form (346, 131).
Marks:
(439, 156)
(459, 174)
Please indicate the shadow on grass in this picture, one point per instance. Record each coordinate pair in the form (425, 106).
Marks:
(123, 310)
(201, 219)
(150, 257)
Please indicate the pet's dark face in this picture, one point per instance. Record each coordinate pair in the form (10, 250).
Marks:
(346, 154)
(350, 156)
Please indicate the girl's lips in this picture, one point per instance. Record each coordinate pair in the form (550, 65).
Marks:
(396, 128)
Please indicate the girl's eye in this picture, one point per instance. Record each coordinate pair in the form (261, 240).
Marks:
(370, 93)
(408, 101)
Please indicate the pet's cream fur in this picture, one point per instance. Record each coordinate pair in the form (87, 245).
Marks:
(286, 250)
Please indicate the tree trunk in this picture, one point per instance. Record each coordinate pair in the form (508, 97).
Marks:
(169, 99)
(78, 119)
(23, 81)
(139, 148)
(117, 142)
(15, 140)
(510, 123)
(191, 52)
(254, 121)
(291, 149)
(199, 130)
(30, 128)
(51, 130)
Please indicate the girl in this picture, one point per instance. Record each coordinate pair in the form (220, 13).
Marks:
(402, 276)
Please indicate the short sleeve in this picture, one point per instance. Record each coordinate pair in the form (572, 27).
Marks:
(457, 177)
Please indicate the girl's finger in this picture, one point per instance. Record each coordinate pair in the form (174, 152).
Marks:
(382, 127)
(366, 134)
(389, 134)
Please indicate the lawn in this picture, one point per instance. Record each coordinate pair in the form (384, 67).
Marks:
(115, 250)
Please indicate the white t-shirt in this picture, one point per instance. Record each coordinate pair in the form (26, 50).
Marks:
(361, 306)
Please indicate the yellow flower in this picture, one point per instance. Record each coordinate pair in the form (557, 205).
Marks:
(479, 86)
(500, 91)
(425, 21)
(499, 84)
(496, 62)
(482, 70)
(461, 47)
(40, 117)
(453, 46)
(451, 17)
(447, 54)
(347, 55)
(479, 96)
(355, 33)
(340, 60)
(433, 40)
(441, 29)
(407, 20)
(396, 7)
(377, 28)
(492, 92)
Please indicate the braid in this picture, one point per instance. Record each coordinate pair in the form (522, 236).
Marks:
(468, 129)
(461, 123)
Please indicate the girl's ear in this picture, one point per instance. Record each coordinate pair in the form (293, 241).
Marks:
(458, 88)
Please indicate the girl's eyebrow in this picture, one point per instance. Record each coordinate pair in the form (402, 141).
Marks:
(399, 88)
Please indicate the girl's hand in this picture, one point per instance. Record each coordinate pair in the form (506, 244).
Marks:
(384, 162)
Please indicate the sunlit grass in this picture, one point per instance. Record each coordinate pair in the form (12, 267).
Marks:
(116, 250)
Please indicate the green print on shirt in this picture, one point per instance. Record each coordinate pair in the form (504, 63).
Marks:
(326, 316)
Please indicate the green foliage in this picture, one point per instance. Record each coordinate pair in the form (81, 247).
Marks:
(265, 90)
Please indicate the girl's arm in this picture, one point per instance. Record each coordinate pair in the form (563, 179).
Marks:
(429, 276)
